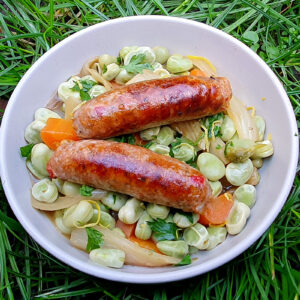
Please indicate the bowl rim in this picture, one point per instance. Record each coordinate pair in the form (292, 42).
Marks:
(181, 273)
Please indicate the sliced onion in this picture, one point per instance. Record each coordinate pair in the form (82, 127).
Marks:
(189, 129)
(204, 65)
(146, 75)
(243, 122)
(134, 254)
(60, 203)
(70, 104)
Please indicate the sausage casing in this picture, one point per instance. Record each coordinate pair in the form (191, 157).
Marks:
(151, 103)
(131, 170)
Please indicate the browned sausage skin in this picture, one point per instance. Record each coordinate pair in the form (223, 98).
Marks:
(151, 103)
(131, 170)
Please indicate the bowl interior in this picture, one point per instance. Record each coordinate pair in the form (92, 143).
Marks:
(251, 81)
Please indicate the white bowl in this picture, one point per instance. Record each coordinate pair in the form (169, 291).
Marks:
(251, 80)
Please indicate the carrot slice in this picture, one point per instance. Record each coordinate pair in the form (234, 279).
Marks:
(128, 229)
(216, 211)
(57, 130)
(197, 72)
(148, 244)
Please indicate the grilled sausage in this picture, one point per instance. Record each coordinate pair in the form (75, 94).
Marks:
(151, 103)
(131, 170)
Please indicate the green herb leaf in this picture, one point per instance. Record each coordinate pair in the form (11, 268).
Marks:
(127, 138)
(188, 215)
(26, 150)
(86, 190)
(136, 64)
(115, 198)
(95, 240)
(86, 86)
(185, 261)
(164, 231)
(119, 60)
(209, 124)
(130, 139)
(104, 69)
(218, 147)
(148, 145)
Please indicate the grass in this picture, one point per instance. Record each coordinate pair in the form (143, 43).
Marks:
(269, 269)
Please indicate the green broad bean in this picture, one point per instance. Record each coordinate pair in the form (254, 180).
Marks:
(184, 152)
(131, 211)
(157, 66)
(112, 70)
(33, 132)
(123, 77)
(96, 90)
(158, 211)
(71, 189)
(237, 218)
(227, 129)
(59, 183)
(147, 51)
(161, 54)
(119, 232)
(257, 162)
(40, 155)
(182, 221)
(81, 214)
(165, 136)
(113, 258)
(43, 114)
(193, 250)
(177, 63)
(65, 91)
(239, 173)
(106, 219)
(58, 219)
(196, 236)
(261, 127)
(98, 194)
(173, 248)
(160, 149)
(216, 188)
(149, 134)
(124, 51)
(106, 59)
(45, 191)
(239, 150)
(254, 178)
(216, 236)
(210, 166)
(114, 200)
(246, 194)
(263, 149)
(142, 230)
(32, 170)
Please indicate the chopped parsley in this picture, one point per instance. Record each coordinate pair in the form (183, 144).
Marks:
(148, 145)
(163, 230)
(185, 261)
(218, 147)
(136, 64)
(86, 86)
(26, 150)
(104, 69)
(127, 138)
(86, 190)
(217, 128)
(95, 240)
(115, 198)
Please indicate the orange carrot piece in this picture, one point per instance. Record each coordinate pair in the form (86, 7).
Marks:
(57, 130)
(148, 244)
(216, 211)
(128, 229)
(197, 72)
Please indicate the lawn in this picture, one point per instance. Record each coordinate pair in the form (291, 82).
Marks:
(270, 268)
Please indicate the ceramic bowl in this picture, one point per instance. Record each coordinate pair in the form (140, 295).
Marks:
(251, 80)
